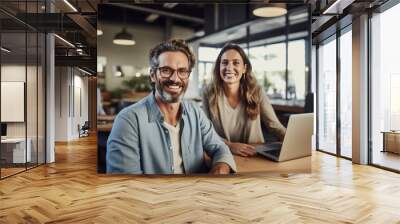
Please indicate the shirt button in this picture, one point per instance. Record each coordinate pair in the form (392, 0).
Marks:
(172, 168)
(170, 148)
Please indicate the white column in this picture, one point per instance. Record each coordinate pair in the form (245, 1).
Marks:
(50, 99)
(360, 90)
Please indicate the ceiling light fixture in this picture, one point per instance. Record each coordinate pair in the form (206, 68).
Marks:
(99, 30)
(200, 33)
(152, 17)
(170, 5)
(5, 50)
(270, 10)
(64, 40)
(70, 5)
(124, 37)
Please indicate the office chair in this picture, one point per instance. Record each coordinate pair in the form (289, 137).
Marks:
(84, 130)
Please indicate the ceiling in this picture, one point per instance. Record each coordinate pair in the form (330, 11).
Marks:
(76, 20)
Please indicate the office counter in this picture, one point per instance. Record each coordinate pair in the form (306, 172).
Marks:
(13, 150)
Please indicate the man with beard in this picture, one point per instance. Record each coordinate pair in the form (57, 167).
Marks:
(163, 134)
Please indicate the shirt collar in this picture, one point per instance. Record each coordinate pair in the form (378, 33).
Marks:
(154, 110)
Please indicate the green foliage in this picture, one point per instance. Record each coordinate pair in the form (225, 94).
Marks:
(267, 83)
(138, 84)
(117, 93)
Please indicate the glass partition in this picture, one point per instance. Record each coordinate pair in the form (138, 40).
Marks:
(327, 96)
(13, 109)
(22, 90)
(346, 93)
(385, 89)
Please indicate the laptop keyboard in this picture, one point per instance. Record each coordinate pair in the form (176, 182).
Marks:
(269, 147)
(274, 146)
(272, 149)
(275, 152)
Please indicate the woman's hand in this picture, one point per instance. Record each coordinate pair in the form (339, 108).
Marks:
(242, 149)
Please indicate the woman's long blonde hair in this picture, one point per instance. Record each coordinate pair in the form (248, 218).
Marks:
(249, 90)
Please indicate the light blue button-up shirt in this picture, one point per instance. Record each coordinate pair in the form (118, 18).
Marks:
(140, 144)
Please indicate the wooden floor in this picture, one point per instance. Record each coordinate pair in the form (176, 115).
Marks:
(387, 159)
(70, 191)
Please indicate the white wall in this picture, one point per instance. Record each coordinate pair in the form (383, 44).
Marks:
(33, 126)
(69, 85)
(12, 73)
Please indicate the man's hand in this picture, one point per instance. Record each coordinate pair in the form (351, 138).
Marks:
(242, 149)
(221, 168)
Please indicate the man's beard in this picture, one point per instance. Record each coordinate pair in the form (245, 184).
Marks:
(168, 97)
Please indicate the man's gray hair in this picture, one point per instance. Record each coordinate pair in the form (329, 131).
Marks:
(171, 45)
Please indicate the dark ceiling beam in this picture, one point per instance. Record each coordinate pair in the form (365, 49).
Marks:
(264, 35)
(91, 5)
(83, 23)
(76, 61)
(76, 17)
(14, 17)
(162, 13)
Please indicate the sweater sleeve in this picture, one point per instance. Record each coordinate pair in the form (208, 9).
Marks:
(268, 116)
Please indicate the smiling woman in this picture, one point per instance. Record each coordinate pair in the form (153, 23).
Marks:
(234, 95)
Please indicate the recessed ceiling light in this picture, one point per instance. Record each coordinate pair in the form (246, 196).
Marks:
(152, 17)
(5, 50)
(70, 5)
(170, 5)
(199, 33)
(84, 71)
(64, 40)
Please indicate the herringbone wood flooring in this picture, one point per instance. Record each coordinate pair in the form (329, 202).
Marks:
(70, 191)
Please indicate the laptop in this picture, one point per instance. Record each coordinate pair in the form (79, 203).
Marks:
(297, 141)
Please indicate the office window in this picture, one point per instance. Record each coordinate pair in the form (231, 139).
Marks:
(207, 57)
(327, 96)
(269, 68)
(385, 87)
(297, 69)
(346, 93)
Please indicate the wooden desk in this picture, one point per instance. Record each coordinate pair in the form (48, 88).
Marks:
(259, 164)
(287, 106)
(104, 127)
(13, 150)
(391, 141)
(106, 118)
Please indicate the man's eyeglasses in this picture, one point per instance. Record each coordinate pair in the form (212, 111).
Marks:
(166, 72)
